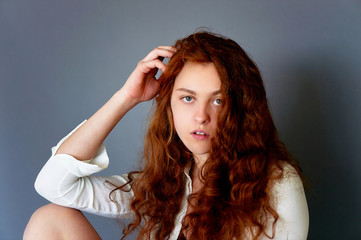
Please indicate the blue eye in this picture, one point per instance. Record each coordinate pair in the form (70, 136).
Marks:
(187, 99)
(217, 102)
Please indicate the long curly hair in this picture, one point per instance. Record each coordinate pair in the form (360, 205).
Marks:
(245, 160)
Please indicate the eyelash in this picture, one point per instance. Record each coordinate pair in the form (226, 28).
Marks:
(220, 101)
(184, 99)
(191, 99)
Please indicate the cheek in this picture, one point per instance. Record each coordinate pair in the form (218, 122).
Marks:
(179, 118)
(215, 117)
(213, 124)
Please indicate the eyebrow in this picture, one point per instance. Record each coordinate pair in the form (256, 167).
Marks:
(194, 93)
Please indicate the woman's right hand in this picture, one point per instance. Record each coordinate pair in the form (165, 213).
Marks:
(142, 85)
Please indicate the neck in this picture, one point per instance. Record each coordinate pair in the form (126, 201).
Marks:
(199, 161)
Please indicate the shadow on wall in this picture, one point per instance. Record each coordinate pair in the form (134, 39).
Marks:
(323, 137)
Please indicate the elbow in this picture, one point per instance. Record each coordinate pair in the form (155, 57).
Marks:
(47, 183)
(42, 187)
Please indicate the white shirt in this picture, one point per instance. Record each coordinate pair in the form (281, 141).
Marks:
(67, 181)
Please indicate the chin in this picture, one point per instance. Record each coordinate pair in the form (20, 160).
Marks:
(201, 154)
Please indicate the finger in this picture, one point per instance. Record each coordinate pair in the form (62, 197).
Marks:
(159, 52)
(147, 66)
(170, 48)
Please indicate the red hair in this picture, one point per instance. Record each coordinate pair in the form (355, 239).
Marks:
(246, 156)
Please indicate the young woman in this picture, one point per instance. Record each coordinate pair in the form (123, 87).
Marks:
(214, 167)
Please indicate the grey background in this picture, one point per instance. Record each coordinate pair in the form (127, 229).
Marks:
(61, 60)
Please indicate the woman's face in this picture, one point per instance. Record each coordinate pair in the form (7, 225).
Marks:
(195, 101)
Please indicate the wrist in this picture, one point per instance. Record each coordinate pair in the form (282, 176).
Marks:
(124, 99)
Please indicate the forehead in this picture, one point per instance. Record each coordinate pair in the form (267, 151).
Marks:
(198, 77)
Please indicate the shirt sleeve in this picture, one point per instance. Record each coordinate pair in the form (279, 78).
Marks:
(291, 206)
(67, 181)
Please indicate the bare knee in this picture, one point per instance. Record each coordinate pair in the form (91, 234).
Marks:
(56, 222)
(45, 223)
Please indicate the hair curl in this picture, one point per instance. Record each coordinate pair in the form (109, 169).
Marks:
(235, 199)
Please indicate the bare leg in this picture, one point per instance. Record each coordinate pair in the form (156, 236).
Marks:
(56, 222)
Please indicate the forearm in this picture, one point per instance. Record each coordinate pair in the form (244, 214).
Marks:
(84, 143)
(141, 86)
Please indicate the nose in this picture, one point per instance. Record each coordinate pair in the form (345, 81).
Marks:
(202, 114)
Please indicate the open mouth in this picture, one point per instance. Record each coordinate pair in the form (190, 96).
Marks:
(200, 134)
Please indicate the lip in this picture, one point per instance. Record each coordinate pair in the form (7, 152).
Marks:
(200, 134)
